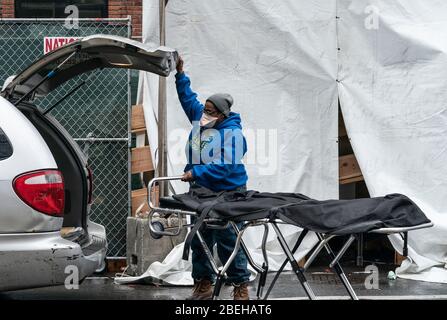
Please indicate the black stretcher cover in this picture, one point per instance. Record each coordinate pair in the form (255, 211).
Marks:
(337, 217)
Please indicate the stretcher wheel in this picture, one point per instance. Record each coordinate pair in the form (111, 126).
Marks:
(158, 226)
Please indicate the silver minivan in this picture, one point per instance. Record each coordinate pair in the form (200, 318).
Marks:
(45, 182)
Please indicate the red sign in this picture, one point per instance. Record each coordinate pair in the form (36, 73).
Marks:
(52, 43)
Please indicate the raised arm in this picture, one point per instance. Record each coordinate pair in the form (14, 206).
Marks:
(188, 99)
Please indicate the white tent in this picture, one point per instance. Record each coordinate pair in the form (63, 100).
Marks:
(287, 63)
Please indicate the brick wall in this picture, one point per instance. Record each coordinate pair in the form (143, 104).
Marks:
(6, 8)
(117, 9)
(123, 8)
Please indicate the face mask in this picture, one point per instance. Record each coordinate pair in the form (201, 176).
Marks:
(207, 121)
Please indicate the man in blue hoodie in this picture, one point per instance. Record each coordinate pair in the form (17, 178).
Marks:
(214, 151)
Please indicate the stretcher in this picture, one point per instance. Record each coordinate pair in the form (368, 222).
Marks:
(169, 206)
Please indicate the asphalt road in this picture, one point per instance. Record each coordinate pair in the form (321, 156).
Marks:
(325, 284)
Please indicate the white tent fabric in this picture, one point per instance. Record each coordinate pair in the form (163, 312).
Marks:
(280, 62)
(282, 76)
(393, 80)
(148, 82)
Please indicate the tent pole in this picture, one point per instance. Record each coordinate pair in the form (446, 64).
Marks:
(162, 114)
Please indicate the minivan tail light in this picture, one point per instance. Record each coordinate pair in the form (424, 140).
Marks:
(42, 190)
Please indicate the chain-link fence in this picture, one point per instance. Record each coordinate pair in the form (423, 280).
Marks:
(97, 115)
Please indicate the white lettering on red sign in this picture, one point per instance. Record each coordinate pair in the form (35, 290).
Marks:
(52, 43)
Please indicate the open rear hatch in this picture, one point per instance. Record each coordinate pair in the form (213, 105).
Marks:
(86, 54)
(56, 68)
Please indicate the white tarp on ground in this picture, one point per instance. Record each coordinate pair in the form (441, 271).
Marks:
(393, 80)
(280, 62)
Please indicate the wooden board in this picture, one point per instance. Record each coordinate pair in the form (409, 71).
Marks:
(116, 265)
(137, 118)
(139, 131)
(351, 180)
(139, 197)
(398, 258)
(349, 170)
(141, 160)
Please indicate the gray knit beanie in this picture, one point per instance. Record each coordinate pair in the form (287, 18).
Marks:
(222, 101)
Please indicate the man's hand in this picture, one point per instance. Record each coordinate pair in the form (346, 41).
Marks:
(187, 176)
(180, 65)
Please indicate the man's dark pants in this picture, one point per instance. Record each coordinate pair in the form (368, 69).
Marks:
(225, 239)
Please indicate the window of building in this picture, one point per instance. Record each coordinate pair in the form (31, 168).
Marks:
(56, 8)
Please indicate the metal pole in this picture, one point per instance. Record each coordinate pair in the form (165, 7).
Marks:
(162, 114)
(129, 129)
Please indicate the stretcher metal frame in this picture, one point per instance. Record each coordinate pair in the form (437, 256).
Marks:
(323, 243)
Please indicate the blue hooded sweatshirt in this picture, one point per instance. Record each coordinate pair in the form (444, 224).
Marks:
(214, 155)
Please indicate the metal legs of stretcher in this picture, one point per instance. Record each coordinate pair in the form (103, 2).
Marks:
(323, 243)
(262, 270)
(299, 272)
(211, 223)
(295, 267)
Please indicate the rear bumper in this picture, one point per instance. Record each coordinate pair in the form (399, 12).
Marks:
(31, 260)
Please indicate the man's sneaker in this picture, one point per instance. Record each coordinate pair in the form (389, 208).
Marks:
(240, 292)
(203, 290)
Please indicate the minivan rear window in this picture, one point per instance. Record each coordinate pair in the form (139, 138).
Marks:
(5, 146)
